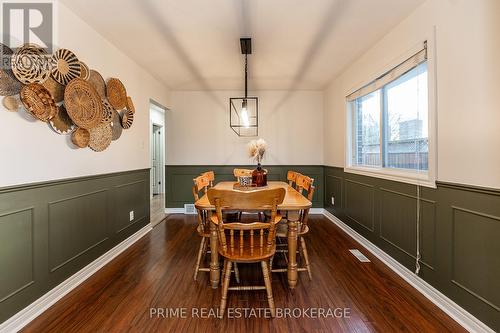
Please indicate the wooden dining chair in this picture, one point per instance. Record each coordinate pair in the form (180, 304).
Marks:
(246, 242)
(201, 184)
(291, 177)
(211, 177)
(303, 183)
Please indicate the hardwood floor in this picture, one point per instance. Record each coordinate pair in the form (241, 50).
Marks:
(157, 271)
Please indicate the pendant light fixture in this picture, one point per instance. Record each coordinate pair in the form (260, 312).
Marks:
(244, 111)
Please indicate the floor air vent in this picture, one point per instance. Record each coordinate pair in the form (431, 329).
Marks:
(189, 209)
(360, 256)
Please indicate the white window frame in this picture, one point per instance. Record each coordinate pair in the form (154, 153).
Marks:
(426, 177)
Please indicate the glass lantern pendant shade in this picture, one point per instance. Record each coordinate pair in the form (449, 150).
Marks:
(244, 111)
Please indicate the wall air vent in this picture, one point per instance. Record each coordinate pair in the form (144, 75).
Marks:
(189, 209)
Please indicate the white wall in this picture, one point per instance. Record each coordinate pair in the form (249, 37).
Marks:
(198, 129)
(32, 152)
(468, 83)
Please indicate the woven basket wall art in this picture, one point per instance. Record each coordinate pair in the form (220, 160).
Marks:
(130, 104)
(127, 119)
(9, 85)
(107, 112)
(5, 57)
(98, 83)
(62, 123)
(30, 64)
(100, 137)
(83, 103)
(65, 66)
(61, 90)
(116, 93)
(55, 89)
(80, 137)
(116, 125)
(84, 71)
(37, 100)
(12, 103)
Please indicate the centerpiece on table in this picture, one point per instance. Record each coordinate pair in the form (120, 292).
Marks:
(256, 151)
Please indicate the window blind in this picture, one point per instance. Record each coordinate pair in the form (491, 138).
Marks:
(391, 75)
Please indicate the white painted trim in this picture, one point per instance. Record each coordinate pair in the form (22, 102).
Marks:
(174, 211)
(452, 309)
(29, 313)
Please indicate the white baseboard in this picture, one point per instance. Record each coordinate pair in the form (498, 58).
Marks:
(316, 211)
(452, 309)
(26, 315)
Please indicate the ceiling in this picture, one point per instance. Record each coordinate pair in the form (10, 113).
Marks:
(194, 44)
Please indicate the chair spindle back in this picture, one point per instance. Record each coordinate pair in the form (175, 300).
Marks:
(256, 200)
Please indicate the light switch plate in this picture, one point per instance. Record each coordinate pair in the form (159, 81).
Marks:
(333, 201)
(131, 214)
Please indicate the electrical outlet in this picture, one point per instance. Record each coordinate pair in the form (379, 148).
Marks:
(131, 214)
(333, 201)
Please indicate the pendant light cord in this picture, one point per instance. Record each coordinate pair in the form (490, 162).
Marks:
(246, 77)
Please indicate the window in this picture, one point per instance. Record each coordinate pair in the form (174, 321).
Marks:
(388, 123)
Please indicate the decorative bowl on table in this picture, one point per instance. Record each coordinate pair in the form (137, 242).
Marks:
(245, 180)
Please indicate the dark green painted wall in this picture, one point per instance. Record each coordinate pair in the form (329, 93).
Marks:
(459, 233)
(179, 179)
(49, 231)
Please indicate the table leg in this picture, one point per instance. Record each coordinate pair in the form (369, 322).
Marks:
(292, 251)
(214, 256)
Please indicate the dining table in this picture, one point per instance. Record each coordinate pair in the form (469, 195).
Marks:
(293, 203)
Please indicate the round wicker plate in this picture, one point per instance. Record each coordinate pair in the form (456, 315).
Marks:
(62, 123)
(98, 83)
(9, 85)
(100, 137)
(107, 112)
(12, 103)
(116, 93)
(80, 138)
(30, 64)
(37, 100)
(83, 103)
(130, 104)
(65, 66)
(116, 125)
(84, 71)
(5, 56)
(127, 119)
(55, 89)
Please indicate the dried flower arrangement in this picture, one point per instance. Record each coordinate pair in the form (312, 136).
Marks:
(257, 150)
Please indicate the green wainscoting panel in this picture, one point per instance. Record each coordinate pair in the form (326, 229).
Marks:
(179, 179)
(459, 233)
(50, 230)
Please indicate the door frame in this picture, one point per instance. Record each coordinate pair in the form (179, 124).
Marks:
(156, 107)
(161, 189)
